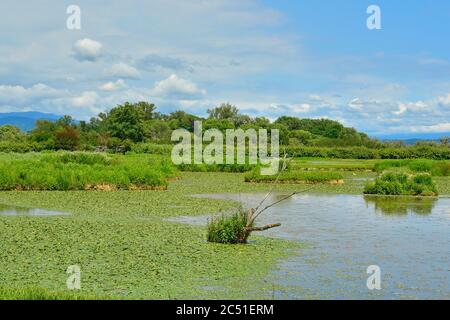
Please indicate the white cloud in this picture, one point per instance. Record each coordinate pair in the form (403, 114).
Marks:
(440, 127)
(113, 86)
(401, 109)
(123, 70)
(176, 88)
(444, 100)
(19, 95)
(356, 104)
(87, 49)
(411, 106)
(301, 108)
(86, 99)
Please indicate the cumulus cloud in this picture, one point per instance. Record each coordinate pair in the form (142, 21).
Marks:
(411, 106)
(123, 70)
(113, 86)
(87, 50)
(444, 100)
(21, 96)
(176, 88)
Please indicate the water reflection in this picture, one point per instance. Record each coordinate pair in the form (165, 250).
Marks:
(346, 234)
(8, 210)
(401, 206)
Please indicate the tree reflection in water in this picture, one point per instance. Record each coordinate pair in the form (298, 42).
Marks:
(401, 206)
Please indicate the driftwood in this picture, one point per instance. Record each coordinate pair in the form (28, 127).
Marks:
(269, 226)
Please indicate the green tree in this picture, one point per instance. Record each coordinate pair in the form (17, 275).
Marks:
(11, 133)
(224, 111)
(126, 122)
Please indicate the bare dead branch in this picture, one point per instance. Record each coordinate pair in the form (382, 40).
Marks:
(274, 185)
(269, 226)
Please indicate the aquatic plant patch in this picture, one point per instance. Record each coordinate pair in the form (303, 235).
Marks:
(297, 177)
(82, 171)
(402, 184)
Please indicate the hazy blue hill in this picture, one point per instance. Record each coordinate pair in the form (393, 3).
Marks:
(25, 120)
(412, 138)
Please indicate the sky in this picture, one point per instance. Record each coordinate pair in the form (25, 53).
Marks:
(304, 58)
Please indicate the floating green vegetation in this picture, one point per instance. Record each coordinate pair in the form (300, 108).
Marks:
(402, 184)
(296, 177)
(82, 171)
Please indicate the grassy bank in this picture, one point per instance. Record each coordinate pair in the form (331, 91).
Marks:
(82, 171)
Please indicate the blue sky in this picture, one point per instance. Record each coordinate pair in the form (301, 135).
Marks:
(270, 58)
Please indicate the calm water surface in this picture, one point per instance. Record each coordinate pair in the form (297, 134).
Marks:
(408, 238)
(7, 210)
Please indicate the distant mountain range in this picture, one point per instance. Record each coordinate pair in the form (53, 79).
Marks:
(25, 120)
(412, 138)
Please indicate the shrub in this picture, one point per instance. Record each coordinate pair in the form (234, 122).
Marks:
(229, 229)
(401, 184)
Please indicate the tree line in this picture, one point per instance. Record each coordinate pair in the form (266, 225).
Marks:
(133, 123)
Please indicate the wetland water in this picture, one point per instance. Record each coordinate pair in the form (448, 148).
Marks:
(8, 210)
(408, 238)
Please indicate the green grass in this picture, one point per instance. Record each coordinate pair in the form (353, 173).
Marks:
(228, 228)
(79, 171)
(216, 167)
(295, 177)
(333, 164)
(36, 293)
(435, 168)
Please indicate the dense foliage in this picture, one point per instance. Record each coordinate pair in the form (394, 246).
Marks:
(138, 127)
(402, 184)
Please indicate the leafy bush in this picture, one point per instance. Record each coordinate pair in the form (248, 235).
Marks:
(230, 229)
(402, 184)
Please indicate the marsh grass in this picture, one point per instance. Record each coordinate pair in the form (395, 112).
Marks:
(395, 183)
(228, 228)
(82, 171)
(296, 177)
(435, 168)
(36, 293)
